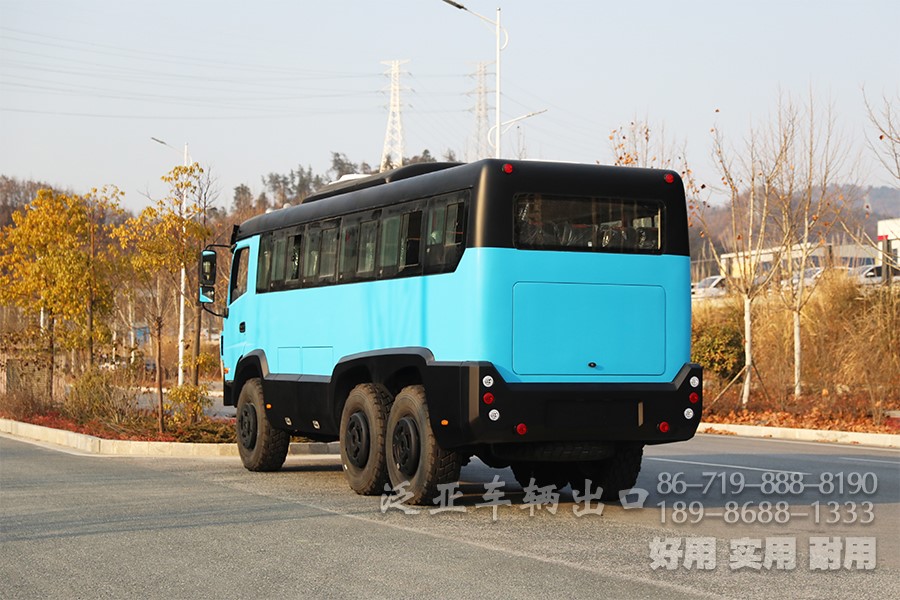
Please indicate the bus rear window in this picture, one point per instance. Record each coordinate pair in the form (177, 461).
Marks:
(585, 223)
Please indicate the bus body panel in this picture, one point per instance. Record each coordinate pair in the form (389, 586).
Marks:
(600, 329)
(471, 315)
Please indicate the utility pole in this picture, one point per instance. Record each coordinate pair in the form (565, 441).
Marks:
(182, 289)
(392, 155)
(502, 42)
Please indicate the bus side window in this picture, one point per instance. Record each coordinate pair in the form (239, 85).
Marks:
(311, 253)
(389, 253)
(239, 273)
(455, 225)
(349, 251)
(294, 260)
(454, 237)
(368, 238)
(410, 242)
(434, 241)
(329, 254)
(264, 264)
(279, 254)
(436, 217)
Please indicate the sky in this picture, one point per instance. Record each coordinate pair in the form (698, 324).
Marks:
(271, 85)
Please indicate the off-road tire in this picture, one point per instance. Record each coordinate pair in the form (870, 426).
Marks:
(614, 474)
(261, 446)
(434, 465)
(362, 438)
(556, 474)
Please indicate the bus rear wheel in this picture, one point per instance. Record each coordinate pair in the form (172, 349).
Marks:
(614, 474)
(414, 457)
(261, 446)
(543, 474)
(363, 423)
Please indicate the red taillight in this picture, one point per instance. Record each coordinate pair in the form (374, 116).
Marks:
(507, 168)
(669, 178)
(694, 397)
(521, 429)
(488, 398)
(663, 427)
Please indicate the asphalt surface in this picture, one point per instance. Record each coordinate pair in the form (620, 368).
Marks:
(76, 526)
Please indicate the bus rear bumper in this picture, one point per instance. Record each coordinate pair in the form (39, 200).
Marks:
(499, 413)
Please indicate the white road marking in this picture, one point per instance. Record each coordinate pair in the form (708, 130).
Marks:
(706, 464)
(872, 460)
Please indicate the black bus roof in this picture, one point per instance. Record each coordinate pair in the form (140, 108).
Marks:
(422, 180)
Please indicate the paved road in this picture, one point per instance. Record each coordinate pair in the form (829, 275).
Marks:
(74, 526)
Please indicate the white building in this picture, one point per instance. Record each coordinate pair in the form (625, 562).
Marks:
(889, 236)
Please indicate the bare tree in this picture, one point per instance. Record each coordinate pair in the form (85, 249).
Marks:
(886, 121)
(749, 183)
(640, 145)
(809, 204)
(206, 193)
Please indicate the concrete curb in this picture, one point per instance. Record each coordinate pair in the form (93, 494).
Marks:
(94, 445)
(881, 440)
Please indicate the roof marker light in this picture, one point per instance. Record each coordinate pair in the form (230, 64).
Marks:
(669, 178)
(507, 168)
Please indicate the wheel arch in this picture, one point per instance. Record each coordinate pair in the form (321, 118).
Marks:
(252, 364)
(391, 369)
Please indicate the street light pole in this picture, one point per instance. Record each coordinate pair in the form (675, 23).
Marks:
(183, 290)
(497, 30)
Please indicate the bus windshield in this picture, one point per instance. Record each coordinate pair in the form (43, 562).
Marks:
(585, 223)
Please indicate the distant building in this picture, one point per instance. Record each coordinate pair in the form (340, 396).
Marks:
(889, 240)
(826, 255)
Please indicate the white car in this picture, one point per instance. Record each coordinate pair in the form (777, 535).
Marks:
(869, 274)
(710, 287)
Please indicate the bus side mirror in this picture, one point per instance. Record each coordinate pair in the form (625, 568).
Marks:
(208, 277)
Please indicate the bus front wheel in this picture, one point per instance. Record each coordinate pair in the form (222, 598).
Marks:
(416, 464)
(363, 423)
(261, 446)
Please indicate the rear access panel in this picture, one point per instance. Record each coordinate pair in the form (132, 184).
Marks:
(588, 329)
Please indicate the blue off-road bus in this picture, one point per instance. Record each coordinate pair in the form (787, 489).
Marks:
(533, 314)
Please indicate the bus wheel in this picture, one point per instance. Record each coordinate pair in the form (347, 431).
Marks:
(414, 457)
(543, 473)
(261, 446)
(614, 474)
(362, 438)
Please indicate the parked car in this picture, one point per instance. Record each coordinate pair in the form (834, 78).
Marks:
(809, 277)
(869, 275)
(710, 287)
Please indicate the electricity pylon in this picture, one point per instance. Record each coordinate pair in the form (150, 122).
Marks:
(392, 155)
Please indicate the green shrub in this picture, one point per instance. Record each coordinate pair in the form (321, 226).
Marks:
(100, 395)
(185, 403)
(718, 345)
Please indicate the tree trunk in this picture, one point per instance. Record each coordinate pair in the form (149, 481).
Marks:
(748, 352)
(159, 382)
(90, 332)
(132, 340)
(52, 354)
(798, 353)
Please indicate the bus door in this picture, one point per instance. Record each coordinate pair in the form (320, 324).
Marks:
(235, 325)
